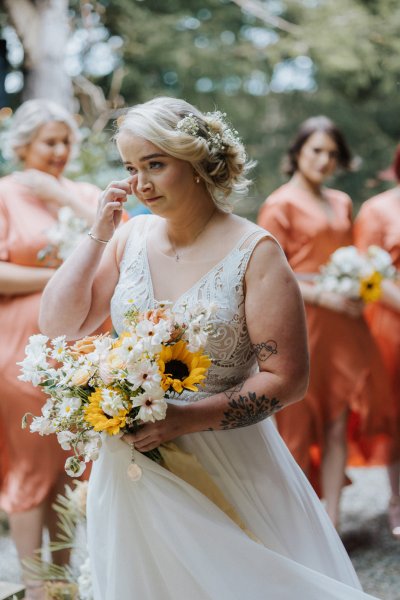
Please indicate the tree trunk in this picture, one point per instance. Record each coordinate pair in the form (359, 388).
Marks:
(42, 27)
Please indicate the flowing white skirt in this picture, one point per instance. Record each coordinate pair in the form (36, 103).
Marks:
(160, 539)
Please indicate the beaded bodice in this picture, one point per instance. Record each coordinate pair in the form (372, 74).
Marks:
(230, 348)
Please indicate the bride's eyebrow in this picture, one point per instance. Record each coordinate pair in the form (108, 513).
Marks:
(147, 157)
(150, 156)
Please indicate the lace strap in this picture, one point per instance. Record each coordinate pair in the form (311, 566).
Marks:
(249, 243)
(136, 239)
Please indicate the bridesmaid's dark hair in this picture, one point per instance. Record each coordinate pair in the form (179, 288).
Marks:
(396, 163)
(306, 130)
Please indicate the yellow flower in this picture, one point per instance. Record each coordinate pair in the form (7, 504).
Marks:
(118, 342)
(181, 369)
(95, 416)
(370, 287)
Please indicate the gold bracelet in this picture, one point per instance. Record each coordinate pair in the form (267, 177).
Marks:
(90, 234)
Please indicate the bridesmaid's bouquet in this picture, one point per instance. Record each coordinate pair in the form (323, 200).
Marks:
(63, 237)
(355, 275)
(105, 385)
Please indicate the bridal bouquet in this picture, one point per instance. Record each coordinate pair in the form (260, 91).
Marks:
(63, 237)
(112, 385)
(356, 275)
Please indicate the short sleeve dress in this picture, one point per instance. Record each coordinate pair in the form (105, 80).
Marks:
(347, 373)
(29, 464)
(378, 222)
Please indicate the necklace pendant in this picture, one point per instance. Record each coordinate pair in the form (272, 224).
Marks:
(177, 259)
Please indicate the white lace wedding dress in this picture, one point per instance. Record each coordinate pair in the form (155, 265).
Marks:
(159, 538)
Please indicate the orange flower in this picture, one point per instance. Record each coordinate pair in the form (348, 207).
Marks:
(85, 345)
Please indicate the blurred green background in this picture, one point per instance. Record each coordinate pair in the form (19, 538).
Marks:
(268, 64)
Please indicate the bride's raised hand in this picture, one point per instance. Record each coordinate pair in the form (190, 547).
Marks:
(110, 207)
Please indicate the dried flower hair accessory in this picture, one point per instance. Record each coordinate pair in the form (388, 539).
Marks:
(217, 132)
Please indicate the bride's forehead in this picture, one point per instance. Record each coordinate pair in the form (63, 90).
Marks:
(133, 147)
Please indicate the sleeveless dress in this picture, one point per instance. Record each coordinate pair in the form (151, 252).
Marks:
(346, 369)
(378, 222)
(161, 539)
(30, 465)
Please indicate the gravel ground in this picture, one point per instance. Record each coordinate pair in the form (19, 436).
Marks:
(375, 554)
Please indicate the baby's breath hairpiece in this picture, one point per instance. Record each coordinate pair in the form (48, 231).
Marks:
(217, 132)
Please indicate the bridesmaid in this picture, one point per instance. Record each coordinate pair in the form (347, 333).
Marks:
(347, 391)
(378, 222)
(31, 466)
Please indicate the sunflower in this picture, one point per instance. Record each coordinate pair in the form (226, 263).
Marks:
(95, 416)
(181, 369)
(370, 287)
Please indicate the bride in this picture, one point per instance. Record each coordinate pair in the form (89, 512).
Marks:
(160, 538)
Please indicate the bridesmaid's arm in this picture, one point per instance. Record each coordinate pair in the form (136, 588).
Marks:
(51, 191)
(369, 230)
(276, 324)
(332, 301)
(17, 280)
(390, 295)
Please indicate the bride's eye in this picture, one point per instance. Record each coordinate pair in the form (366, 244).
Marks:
(131, 170)
(155, 164)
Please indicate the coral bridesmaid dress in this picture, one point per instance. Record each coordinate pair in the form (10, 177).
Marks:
(29, 464)
(378, 222)
(347, 373)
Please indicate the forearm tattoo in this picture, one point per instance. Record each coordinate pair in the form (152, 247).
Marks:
(265, 349)
(247, 409)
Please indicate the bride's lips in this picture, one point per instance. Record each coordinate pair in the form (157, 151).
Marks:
(150, 200)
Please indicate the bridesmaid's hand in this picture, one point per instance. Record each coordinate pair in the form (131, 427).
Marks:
(44, 186)
(110, 207)
(152, 435)
(338, 303)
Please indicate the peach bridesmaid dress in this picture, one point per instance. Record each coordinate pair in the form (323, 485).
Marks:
(29, 464)
(378, 222)
(347, 372)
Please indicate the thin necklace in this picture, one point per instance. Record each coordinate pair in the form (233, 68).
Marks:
(178, 255)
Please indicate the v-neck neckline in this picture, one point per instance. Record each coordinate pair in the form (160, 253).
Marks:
(330, 219)
(196, 283)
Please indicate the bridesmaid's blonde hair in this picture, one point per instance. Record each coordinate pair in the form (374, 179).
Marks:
(30, 117)
(202, 139)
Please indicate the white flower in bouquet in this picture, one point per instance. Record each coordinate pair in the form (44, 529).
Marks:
(143, 373)
(102, 385)
(381, 261)
(85, 581)
(356, 275)
(151, 404)
(42, 426)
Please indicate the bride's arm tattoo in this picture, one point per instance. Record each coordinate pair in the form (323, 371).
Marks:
(247, 409)
(265, 349)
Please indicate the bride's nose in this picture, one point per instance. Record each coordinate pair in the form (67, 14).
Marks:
(143, 182)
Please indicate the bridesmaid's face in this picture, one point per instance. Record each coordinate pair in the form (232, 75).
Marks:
(317, 159)
(161, 182)
(49, 150)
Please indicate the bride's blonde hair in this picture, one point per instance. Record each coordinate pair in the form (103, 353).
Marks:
(202, 139)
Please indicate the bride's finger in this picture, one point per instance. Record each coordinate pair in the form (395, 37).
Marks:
(113, 194)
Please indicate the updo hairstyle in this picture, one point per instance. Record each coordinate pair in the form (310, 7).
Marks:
(213, 149)
(30, 117)
(306, 130)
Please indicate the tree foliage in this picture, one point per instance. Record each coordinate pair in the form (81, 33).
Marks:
(269, 64)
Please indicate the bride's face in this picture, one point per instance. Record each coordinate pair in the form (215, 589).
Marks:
(161, 182)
